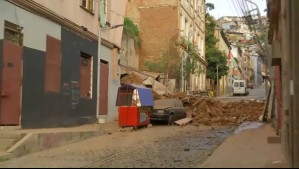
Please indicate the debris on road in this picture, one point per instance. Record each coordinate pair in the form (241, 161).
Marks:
(205, 110)
(208, 111)
(183, 122)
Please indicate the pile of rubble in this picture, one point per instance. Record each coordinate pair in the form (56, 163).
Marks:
(132, 79)
(208, 111)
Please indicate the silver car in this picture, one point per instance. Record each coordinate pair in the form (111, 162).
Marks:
(168, 110)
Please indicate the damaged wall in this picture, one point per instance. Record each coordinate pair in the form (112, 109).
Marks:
(130, 53)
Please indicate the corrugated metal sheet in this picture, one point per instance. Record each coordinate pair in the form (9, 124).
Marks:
(125, 94)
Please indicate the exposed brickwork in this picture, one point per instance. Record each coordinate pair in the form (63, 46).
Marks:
(158, 30)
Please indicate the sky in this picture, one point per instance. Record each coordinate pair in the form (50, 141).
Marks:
(228, 7)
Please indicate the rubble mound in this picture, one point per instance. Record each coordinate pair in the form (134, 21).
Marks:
(132, 79)
(208, 111)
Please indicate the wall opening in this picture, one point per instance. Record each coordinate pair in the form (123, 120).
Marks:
(86, 68)
(13, 33)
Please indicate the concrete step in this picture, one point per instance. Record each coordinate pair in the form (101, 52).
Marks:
(4, 156)
(10, 135)
(5, 144)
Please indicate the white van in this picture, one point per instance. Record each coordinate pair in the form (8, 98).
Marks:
(240, 88)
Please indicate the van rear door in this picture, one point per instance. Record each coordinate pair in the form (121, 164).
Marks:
(239, 87)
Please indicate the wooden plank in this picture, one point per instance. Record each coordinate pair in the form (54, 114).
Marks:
(183, 121)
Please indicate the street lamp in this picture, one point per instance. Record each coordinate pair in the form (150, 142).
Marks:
(99, 63)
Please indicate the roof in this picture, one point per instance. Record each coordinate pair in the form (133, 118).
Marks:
(145, 95)
(154, 75)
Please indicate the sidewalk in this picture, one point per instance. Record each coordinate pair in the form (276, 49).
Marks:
(249, 149)
(34, 140)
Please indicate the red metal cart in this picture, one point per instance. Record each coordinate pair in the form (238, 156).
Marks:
(134, 103)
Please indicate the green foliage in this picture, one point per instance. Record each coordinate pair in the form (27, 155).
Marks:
(2, 159)
(167, 63)
(210, 38)
(209, 6)
(132, 30)
(216, 57)
(213, 55)
(191, 64)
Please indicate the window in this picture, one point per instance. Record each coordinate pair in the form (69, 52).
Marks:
(12, 33)
(86, 76)
(87, 4)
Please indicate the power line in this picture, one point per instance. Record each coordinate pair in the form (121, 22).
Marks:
(232, 1)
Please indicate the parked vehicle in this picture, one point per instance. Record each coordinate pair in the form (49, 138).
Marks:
(240, 88)
(168, 110)
(250, 85)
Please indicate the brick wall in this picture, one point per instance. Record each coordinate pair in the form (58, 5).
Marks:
(159, 29)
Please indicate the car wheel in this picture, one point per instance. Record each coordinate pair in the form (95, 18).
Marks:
(170, 120)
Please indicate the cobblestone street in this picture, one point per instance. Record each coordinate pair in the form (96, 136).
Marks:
(159, 146)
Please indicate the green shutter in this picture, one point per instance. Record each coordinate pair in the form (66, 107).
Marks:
(102, 15)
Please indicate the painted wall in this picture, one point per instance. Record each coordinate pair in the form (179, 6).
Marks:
(108, 55)
(72, 10)
(35, 28)
(117, 13)
(41, 109)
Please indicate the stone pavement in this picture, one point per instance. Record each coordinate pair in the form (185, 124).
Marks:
(248, 149)
(163, 146)
(155, 147)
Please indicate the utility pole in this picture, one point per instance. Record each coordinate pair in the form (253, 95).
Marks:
(264, 48)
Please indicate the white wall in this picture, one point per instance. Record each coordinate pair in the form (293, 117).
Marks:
(35, 28)
(71, 10)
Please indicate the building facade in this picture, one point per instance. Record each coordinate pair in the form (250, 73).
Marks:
(52, 49)
(225, 82)
(283, 59)
(257, 66)
(164, 27)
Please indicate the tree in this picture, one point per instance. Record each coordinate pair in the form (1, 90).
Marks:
(214, 55)
(191, 66)
(167, 63)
